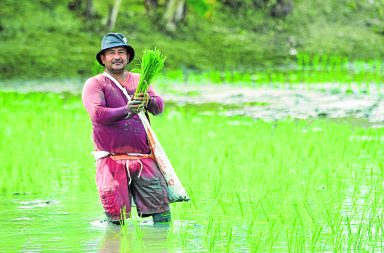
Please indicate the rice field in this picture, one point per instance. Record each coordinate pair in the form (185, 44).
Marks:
(309, 70)
(283, 186)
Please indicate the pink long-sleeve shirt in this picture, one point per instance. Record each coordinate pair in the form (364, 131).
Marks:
(107, 108)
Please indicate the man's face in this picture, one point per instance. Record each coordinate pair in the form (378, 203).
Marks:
(115, 59)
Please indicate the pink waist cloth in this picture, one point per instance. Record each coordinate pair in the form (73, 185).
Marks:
(121, 180)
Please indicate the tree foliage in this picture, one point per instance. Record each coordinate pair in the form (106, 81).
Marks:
(59, 38)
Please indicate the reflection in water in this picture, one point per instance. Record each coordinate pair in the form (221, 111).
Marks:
(136, 237)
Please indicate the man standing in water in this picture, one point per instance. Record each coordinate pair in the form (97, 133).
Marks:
(125, 168)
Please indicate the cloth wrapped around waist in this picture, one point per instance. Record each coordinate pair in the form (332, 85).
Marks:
(121, 156)
(124, 156)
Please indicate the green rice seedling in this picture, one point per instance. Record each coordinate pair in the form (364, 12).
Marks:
(255, 242)
(262, 78)
(246, 78)
(138, 234)
(215, 77)
(378, 69)
(289, 180)
(223, 76)
(214, 237)
(209, 226)
(222, 205)
(358, 242)
(309, 70)
(300, 240)
(250, 229)
(238, 77)
(178, 76)
(271, 237)
(348, 221)
(123, 223)
(184, 236)
(228, 76)
(201, 78)
(124, 243)
(315, 237)
(315, 66)
(229, 242)
(309, 211)
(265, 212)
(240, 203)
(184, 209)
(324, 63)
(281, 216)
(306, 61)
(338, 241)
(315, 62)
(170, 233)
(152, 63)
(289, 236)
(253, 205)
(300, 60)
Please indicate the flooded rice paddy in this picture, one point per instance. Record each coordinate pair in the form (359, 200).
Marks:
(289, 184)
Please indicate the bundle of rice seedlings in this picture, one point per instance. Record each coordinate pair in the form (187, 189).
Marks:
(151, 65)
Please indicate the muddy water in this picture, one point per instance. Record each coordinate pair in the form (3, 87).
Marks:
(272, 104)
(76, 224)
(73, 222)
(35, 224)
(68, 222)
(268, 102)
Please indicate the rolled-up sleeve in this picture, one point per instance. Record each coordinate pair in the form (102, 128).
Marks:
(93, 97)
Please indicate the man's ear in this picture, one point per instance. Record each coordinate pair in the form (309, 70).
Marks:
(102, 58)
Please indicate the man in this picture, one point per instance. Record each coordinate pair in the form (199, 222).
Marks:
(125, 169)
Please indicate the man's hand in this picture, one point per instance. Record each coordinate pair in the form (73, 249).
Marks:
(138, 102)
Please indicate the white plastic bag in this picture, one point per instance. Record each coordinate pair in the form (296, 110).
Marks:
(176, 191)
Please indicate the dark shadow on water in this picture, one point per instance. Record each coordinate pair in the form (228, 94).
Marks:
(136, 237)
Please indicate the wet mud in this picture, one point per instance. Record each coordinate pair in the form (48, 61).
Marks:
(266, 102)
(277, 103)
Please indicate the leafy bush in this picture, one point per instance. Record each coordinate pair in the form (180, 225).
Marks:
(48, 39)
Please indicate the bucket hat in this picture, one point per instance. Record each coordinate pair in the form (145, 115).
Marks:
(111, 40)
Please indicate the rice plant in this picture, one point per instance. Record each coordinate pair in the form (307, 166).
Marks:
(292, 185)
(152, 63)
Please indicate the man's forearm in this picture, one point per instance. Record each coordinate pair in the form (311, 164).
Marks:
(155, 105)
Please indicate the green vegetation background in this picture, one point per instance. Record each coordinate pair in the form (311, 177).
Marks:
(46, 39)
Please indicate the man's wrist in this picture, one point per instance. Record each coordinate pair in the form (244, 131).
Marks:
(128, 112)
